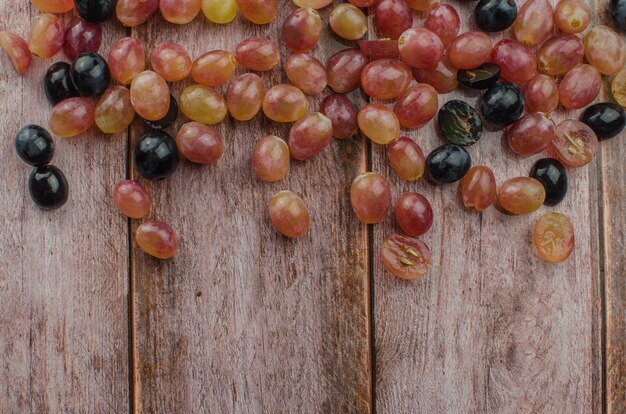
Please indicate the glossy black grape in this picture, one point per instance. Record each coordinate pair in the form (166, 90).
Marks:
(95, 11)
(460, 123)
(483, 77)
(34, 145)
(57, 83)
(551, 173)
(502, 104)
(447, 164)
(48, 187)
(156, 155)
(495, 15)
(168, 119)
(90, 74)
(605, 118)
(618, 11)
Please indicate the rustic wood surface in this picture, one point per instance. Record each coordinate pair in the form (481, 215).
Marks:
(244, 320)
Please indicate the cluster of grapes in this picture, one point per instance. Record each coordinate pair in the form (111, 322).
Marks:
(436, 56)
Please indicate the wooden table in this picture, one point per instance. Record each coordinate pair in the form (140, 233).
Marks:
(244, 320)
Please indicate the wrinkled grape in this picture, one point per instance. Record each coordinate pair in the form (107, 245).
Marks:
(553, 237)
(270, 159)
(289, 214)
(370, 195)
(309, 136)
(406, 159)
(404, 257)
(478, 188)
(413, 214)
(244, 96)
(199, 143)
(378, 123)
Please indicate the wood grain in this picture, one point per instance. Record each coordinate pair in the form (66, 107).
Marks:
(491, 328)
(63, 274)
(245, 320)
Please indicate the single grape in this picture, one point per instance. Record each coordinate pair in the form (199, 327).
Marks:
(618, 87)
(541, 94)
(46, 36)
(306, 73)
(72, 117)
(220, 11)
(344, 69)
(495, 15)
(521, 195)
(502, 104)
(385, 78)
(553, 237)
(214, 68)
(126, 59)
(560, 54)
(551, 174)
(518, 64)
(34, 145)
(135, 12)
(392, 18)
(417, 105)
(150, 95)
(168, 119)
(48, 187)
(378, 123)
(531, 134)
(442, 77)
(579, 87)
(53, 6)
(444, 21)
(114, 111)
(380, 49)
(413, 214)
(199, 143)
(420, 48)
(17, 50)
(171, 61)
(572, 16)
(478, 188)
(81, 36)
(310, 135)
(470, 50)
(58, 83)
(244, 96)
(155, 155)
(574, 144)
(605, 49)
(482, 77)
(448, 164)
(180, 11)
(606, 119)
(406, 159)
(285, 103)
(270, 159)
(95, 11)
(257, 53)
(289, 214)
(131, 199)
(348, 21)
(90, 74)
(534, 22)
(302, 30)
(404, 257)
(460, 123)
(157, 239)
(342, 114)
(203, 104)
(258, 11)
(370, 195)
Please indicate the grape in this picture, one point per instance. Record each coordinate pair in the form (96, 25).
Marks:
(157, 239)
(405, 258)
(422, 5)
(131, 199)
(380, 49)
(72, 117)
(560, 54)
(534, 22)
(220, 11)
(114, 111)
(393, 17)
(203, 104)
(482, 77)
(307, 73)
(344, 70)
(48, 187)
(572, 16)
(95, 11)
(171, 61)
(502, 104)
(444, 21)
(413, 214)
(579, 87)
(605, 49)
(150, 95)
(168, 119)
(46, 36)
(521, 195)
(618, 12)
(406, 159)
(155, 155)
(553, 237)
(58, 83)
(574, 143)
(309, 136)
(90, 74)
(495, 15)
(258, 11)
(417, 105)
(370, 195)
(314, 4)
(448, 164)
(342, 114)
(348, 21)
(34, 145)
(180, 11)
(257, 53)
(126, 59)
(244, 96)
(478, 188)
(541, 94)
(270, 159)
(420, 48)
(470, 50)
(460, 123)
(531, 134)
(606, 119)
(518, 64)
(302, 30)
(285, 103)
(385, 78)
(442, 77)
(81, 36)
(18, 51)
(53, 6)
(199, 143)
(551, 173)
(135, 12)
(378, 123)
(214, 68)
(289, 214)
(618, 87)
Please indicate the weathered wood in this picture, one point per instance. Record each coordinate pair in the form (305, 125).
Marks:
(63, 274)
(243, 319)
(491, 328)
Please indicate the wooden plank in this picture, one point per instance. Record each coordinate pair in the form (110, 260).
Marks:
(243, 319)
(490, 328)
(63, 274)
